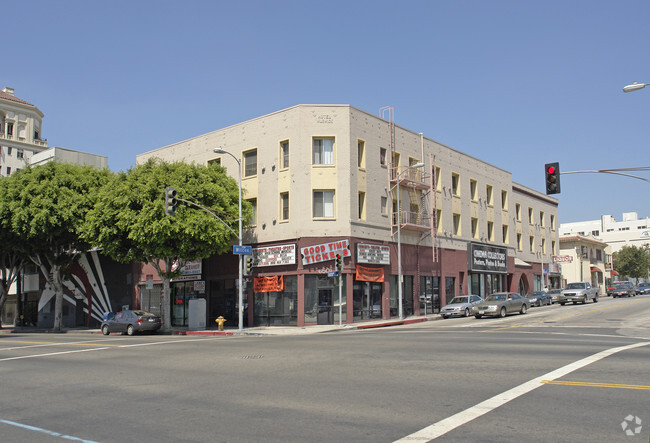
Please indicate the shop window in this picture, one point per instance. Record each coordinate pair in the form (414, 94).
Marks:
(279, 308)
(450, 289)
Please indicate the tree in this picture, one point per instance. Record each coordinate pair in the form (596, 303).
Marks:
(129, 221)
(47, 206)
(12, 256)
(632, 261)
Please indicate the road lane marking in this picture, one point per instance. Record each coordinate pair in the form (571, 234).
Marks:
(50, 354)
(38, 344)
(45, 431)
(595, 385)
(450, 423)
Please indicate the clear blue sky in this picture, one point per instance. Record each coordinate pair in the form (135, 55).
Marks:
(515, 83)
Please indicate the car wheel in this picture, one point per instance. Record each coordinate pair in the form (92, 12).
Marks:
(523, 309)
(105, 330)
(478, 316)
(595, 299)
(562, 304)
(444, 316)
(502, 312)
(130, 330)
(466, 312)
(584, 299)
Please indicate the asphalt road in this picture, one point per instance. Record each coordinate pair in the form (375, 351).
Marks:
(571, 373)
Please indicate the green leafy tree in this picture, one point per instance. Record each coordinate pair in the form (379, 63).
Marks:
(12, 255)
(47, 206)
(129, 221)
(632, 261)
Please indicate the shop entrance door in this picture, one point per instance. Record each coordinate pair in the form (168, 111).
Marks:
(325, 316)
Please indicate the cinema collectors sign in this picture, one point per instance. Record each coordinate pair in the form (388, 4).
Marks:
(486, 258)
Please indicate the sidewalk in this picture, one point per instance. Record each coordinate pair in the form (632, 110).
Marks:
(258, 330)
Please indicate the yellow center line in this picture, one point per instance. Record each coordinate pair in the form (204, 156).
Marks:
(595, 385)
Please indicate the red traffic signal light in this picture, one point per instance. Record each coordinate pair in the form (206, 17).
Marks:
(339, 262)
(552, 173)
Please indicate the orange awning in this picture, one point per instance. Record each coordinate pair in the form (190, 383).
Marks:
(595, 269)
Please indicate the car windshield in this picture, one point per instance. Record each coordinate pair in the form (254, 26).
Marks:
(496, 297)
(643, 285)
(575, 286)
(459, 300)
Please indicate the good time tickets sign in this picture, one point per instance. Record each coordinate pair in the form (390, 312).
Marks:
(324, 252)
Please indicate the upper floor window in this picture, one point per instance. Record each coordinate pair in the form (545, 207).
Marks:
(474, 227)
(323, 151)
(361, 154)
(473, 190)
(456, 220)
(518, 211)
(490, 231)
(504, 234)
(250, 163)
(362, 205)
(323, 204)
(10, 129)
(19, 153)
(504, 200)
(531, 219)
(382, 156)
(552, 221)
(455, 184)
(284, 154)
(36, 135)
(489, 195)
(253, 202)
(9, 150)
(436, 175)
(384, 205)
(541, 219)
(284, 206)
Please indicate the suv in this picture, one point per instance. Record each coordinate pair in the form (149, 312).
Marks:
(624, 289)
(578, 292)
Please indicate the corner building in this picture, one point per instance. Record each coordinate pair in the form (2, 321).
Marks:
(333, 179)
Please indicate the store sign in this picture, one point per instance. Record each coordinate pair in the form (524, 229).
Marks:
(373, 254)
(369, 274)
(645, 234)
(324, 252)
(562, 259)
(275, 255)
(199, 286)
(192, 268)
(554, 268)
(484, 258)
(269, 284)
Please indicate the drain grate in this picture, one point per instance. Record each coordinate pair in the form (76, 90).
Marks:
(251, 357)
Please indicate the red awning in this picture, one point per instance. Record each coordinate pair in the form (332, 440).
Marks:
(614, 273)
(595, 269)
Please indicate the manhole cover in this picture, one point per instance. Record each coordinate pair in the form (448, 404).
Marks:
(251, 357)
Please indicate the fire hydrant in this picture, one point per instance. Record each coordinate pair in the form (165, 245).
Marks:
(220, 321)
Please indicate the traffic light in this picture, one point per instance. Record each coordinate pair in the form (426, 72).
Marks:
(248, 265)
(552, 172)
(339, 262)
(170, 201)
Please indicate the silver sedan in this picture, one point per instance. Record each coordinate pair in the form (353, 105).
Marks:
(460, 306)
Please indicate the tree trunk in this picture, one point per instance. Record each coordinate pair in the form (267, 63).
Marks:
(57, 285)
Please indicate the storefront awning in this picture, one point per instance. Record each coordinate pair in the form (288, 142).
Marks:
(520, 262)
(595, 269)
(614, 273)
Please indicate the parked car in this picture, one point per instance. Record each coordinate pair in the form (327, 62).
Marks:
(501, 304)
(460, 306)
(579, 292)
(555, 294)
(130, 322)
(538, 298)
(612, 287)
(643, 288)
(624, 289)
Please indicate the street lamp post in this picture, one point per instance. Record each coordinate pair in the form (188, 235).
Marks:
(241, 276)
(399, 240)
